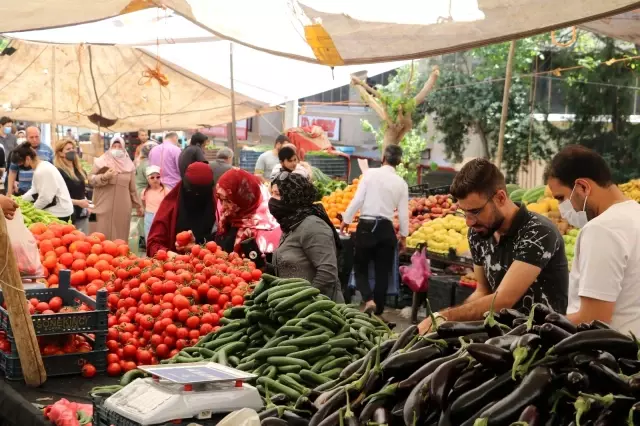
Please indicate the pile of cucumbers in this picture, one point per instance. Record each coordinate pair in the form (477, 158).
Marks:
(289, 335)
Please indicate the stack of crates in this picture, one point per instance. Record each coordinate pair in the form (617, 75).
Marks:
(86, 323)
(333, 166)
(248, 160)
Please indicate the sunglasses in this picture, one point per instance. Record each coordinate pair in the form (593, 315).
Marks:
(153, 177)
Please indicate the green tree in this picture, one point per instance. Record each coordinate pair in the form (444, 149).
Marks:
(601, 95)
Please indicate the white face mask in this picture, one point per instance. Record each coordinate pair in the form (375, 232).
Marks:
(568, 213)
(21, 140)
(117, 153)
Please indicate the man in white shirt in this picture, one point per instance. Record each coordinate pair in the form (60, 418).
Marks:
(604, 283)
(379, 194)
(269, 159)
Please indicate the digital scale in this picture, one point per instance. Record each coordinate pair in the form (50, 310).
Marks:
(184, 391)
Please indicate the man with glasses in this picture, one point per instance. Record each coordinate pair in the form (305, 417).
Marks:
(516, 253)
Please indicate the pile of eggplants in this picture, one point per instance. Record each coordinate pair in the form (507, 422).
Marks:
(508, 370)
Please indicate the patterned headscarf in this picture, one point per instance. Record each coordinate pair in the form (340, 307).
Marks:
(242, 205)
(299, 195)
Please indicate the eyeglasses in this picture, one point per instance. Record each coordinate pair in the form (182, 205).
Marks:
(473, 213)
(153, 177)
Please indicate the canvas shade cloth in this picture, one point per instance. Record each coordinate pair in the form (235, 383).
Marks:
(125, 93)
(354, 31)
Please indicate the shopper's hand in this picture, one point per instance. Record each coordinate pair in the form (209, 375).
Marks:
(109, 174)
(171, 254)
(344, 227)
(425, 326)
(8, 206)
(184, 249)
(84, 204)
(140, 211)
(403, 244)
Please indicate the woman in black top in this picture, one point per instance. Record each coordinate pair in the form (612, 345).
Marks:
(67, 161)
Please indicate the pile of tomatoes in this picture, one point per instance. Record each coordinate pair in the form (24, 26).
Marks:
(60, 344)
(157, 305)
(53, 306)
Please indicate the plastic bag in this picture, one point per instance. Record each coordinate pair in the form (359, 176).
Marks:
(243, 417)
(25, 247)
(416, 276)
(66, 413)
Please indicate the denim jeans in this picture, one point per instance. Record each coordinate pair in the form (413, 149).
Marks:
(148, 220)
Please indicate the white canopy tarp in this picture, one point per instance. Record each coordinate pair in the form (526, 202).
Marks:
(119, 76)
(359, 30)
(625, 26)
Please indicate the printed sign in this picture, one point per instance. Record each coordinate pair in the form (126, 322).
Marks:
(331, 125)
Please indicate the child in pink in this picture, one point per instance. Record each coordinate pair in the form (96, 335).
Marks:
(152, 196)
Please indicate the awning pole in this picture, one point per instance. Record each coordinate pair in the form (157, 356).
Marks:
(233, 140)
(505, 104)
(54, 119)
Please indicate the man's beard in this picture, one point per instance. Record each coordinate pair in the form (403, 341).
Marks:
(493, 227)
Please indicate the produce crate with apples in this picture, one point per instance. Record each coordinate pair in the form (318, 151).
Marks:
(423, 210)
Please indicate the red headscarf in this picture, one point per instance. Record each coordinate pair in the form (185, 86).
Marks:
(240, 195)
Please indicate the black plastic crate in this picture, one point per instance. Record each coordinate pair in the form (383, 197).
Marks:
(441, 292)
(56, 365)
(248, 160)
(334, 166)
(105, 417)
(462, 293)
(63, 323)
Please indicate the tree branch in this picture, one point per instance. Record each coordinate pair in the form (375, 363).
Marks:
(428, 85)
(408, 88)
(357, 82)
(366, 92)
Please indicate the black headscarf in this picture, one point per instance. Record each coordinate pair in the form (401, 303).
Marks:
(297, 197)
(196, 206)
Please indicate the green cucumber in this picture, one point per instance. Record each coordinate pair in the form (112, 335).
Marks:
(314, 332)
(223, 341)
(293, 384)
(298, 297)
(275, 342)
(236, 312)
(277, 351)
(290, 329)
(318, 365)
(247, 366)
(271, 372)
(267, 329)
(338, 352)
(332, 374)
(336, 363)
(347, 342)
(295, 377)
(289, 368)
(276, 387)
(311, 352)
(312, 378)
(131, 375)
(307, 341)
(282, 361)
(319, 305)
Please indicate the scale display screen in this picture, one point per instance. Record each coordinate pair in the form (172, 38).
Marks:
(196, 373)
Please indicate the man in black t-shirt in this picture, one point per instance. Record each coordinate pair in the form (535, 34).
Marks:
(516, 253)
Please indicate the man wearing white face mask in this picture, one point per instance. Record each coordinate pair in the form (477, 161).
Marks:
(604, 283)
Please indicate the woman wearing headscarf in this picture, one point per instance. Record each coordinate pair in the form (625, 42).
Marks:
(309, 245)
(244, 213)
(190, 206)
(114, 191)
(142, 162)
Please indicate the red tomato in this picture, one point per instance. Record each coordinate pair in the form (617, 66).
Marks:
(256, 274)
(42, 306)
(246, 275)
(130, 351)
(205, 329)
(130, 365)
(112, 345)
(144, 357)
(193, 322)
(184, 238)
(162, 351)
(183, 315)
(111, 358)
(181, 344)
(195, 250)
(222, 300)
(194, 334)
(78, 264)
(55, 304)
(157, 288)
(182, 333)
(211, 246)
(181, 302)
(227, 281)
(88, 370)
(203, 290)
(114, 369)
(237, 300)
(171, 329)
(212, 295)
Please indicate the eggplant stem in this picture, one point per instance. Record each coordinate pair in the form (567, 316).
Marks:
(481, 422)
(606, 400)
(525, 368)
(490, 320)
(434, 322)
(530, 319)
(440, 342)
(384, 324)
(582, 405)
(348, 413)
(519, 355)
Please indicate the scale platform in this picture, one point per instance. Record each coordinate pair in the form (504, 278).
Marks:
(184, 391)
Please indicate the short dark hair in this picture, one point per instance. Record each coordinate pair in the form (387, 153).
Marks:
(281, 139)
(286, 153)
(393, 155)
(199, 138)
(4, 120)
(21, 152)
(171, 135)
(576, 161)
(478, 176)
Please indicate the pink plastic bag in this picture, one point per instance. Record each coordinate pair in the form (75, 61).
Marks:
(25, 247)
(416, 276)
